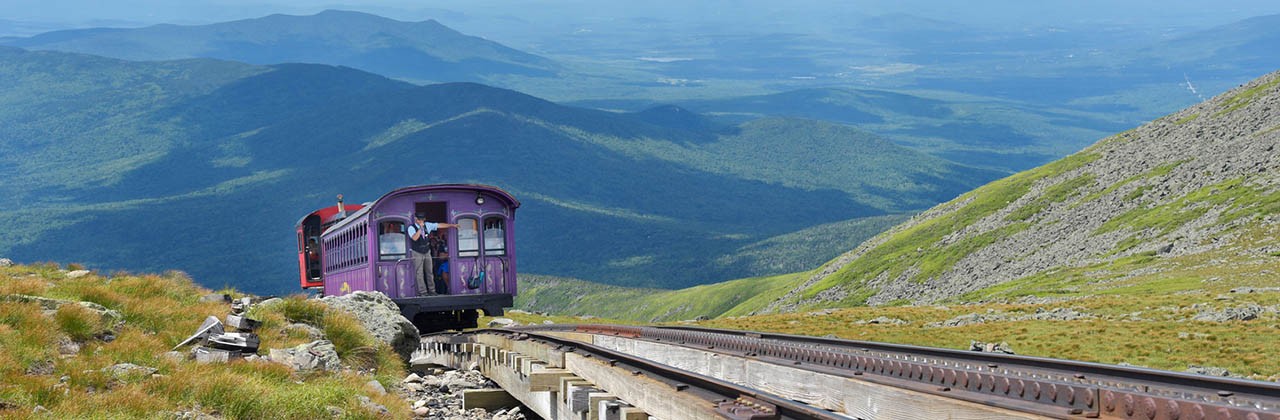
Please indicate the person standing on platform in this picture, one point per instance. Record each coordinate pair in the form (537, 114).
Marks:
(420, 247)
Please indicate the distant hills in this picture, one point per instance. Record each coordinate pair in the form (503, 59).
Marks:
(977, 131)
(1187, 200)
(422, 51)
(203, 165)
(1237, 47)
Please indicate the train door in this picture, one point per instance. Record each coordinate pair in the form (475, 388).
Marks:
(309, 251)
(395, 265)
(437, 212)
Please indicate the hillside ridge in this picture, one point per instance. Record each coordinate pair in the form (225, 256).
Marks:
(1183, 184)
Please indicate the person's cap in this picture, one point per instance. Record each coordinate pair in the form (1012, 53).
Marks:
(420, 216)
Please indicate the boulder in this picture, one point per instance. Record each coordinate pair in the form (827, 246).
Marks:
(502, 323)
(1001, 347)
(368, 404)
(216, 297)
(39, 368)
(374, 387)
(882, 320)
(67, 346)
(312, 333)
(77, 273)
(5, 262)
(125, 371)
(175, 356)
(1241, 313)
(109, 316)
(316, 355)
(270, 302)
(1211, 371)
(381, 317)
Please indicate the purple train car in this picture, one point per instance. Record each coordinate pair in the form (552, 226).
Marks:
(475, 263)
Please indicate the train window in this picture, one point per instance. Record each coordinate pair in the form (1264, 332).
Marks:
(468, 240)
(495, 236)
(391, 241)
(363, 244)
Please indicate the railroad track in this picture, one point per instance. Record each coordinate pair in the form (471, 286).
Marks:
(751, 375)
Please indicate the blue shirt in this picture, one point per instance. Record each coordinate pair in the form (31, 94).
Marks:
(428, 226)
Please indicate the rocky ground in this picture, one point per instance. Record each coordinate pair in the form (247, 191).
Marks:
(430, 393)
(437, 394)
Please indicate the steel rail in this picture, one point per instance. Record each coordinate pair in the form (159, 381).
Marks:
(1050, 387)
(730, 400)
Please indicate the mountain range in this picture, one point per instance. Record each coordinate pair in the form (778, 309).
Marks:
(202, 164)
(421, 51)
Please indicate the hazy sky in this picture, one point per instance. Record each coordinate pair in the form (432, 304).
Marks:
(1182, 12)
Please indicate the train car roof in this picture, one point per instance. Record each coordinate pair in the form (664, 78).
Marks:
(511, 200)
(328, 214)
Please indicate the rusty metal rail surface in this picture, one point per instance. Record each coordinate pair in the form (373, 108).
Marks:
(730, 400)
(1049, 387)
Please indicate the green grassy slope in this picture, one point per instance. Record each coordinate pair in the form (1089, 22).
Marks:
(58, 358)
(1165, 190)
(1161, 210)
(784, 253)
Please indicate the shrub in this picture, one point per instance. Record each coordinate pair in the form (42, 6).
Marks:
(78, 322)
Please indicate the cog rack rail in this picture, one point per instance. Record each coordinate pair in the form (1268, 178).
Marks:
(1042, 386)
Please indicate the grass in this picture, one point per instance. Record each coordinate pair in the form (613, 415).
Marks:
(1160, 336)
(1235, 199)
(1055, 194)
(1244, 98)
(158, 312)
(575, 297)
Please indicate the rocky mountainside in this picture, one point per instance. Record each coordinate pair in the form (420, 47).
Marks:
(1195, 189)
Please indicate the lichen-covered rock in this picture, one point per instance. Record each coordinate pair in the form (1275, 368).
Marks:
(368, 404)
(77, 273)
(1001, 347)
(1211, 371)
(316, 355)
(381, 317)
(127, 371)
(883, 320)
(311, 332)
(109, 316)
(1241, 313)
(502, 323)
(215, 297)
(5, 262)
(270, 302)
